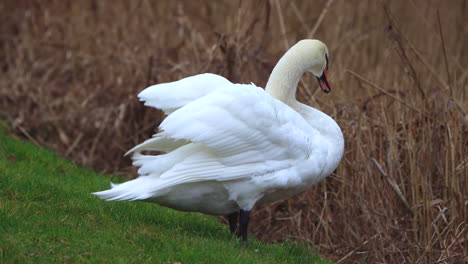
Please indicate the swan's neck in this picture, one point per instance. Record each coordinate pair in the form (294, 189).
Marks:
(306, 55)
(284, 78)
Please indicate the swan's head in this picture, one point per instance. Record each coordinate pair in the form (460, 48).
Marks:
(306, 55)
(314, 57)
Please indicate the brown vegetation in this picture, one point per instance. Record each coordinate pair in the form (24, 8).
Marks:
(70, 72)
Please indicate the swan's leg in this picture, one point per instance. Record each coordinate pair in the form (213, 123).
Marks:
(243, 224)
(233, 218)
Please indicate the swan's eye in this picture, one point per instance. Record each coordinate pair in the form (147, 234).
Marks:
(326, 59)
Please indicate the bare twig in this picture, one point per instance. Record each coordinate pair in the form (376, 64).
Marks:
(428, 66)
(444, 49)
(74, 144)
(395, 34)
(382, 90)
(282, 26)
(356, 249)
(320, 18)
(393, 185)
(300, 17)
(24, 132)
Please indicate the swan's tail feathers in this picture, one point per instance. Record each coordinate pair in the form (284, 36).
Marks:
(137, 189)
(159, 142)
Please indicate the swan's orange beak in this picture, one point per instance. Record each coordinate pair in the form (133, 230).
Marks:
(323, 81)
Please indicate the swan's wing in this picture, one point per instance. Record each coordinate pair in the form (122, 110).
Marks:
(237, 132)
(174, 95)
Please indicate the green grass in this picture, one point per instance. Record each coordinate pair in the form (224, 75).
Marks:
(47, 214)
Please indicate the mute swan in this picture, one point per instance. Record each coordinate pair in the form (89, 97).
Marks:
(229, 146)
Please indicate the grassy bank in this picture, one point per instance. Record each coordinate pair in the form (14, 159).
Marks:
(47, 215)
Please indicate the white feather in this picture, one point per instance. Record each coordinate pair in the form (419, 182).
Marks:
(172, 96)
(229, 146)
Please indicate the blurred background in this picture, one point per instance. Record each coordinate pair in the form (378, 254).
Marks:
(70, 72)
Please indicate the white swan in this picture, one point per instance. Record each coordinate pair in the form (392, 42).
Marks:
(229, 146)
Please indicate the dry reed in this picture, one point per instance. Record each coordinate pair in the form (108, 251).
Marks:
(70, 71)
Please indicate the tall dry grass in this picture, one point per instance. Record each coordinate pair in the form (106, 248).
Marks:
(70, 71)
